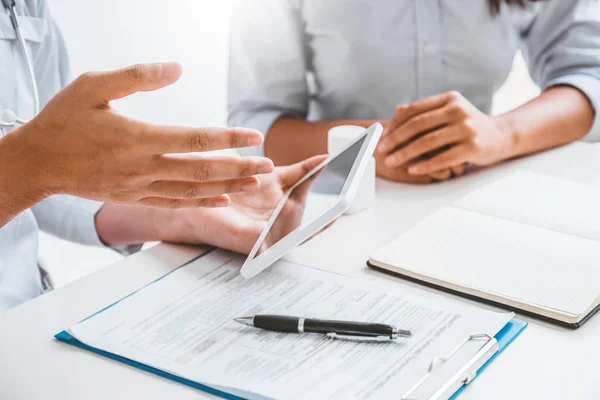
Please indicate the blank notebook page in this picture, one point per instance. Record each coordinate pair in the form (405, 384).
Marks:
(540, 200)
(527, 263)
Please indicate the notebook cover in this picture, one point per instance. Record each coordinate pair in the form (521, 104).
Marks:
(487, 301)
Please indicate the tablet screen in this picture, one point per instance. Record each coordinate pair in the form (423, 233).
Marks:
(313, 197)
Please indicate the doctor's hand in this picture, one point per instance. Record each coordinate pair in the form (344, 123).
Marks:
(238, 227)
(80, 145)
(440, 135)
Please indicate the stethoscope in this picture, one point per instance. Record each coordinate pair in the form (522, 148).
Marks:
(7, 117)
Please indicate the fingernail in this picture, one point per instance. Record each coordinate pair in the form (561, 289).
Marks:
(168, 71)
(383, 145)
(391, 161)
(265, 167)
(222, 203)
(250, 185)
(414, 170)
(255, 138)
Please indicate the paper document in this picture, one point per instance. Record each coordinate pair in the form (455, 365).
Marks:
(183, 324)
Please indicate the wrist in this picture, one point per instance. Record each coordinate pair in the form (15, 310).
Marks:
(509, 137)
(21, 179)
(175, 226)
(121, 225)
(34, 159)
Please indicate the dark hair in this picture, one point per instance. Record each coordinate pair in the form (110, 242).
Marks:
(495, 4)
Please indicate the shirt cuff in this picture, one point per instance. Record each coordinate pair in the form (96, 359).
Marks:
(590, 86)
(93, 239)
(262, 121)
(127, 250)
(87, 232)
(90, 233)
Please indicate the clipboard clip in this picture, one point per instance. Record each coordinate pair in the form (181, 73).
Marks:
(467, 376)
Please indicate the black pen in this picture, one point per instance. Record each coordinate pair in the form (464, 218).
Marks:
(333, 329)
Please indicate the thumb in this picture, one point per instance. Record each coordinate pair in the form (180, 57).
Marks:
(291, 174)
(396, 120)
(401, 108)
(113, 85)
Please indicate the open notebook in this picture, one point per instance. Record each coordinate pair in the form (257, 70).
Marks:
(528, 242)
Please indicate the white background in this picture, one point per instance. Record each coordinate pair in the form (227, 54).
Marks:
(107, 34)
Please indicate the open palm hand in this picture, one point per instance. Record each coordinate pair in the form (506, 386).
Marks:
(238, 226)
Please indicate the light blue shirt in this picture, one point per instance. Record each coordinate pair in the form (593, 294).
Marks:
(64, 216)
(359, 59)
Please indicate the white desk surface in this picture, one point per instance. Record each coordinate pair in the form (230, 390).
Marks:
(544, 362)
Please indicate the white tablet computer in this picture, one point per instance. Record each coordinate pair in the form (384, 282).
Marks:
(313, 203)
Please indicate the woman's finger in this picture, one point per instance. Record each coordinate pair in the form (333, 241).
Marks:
(419, 124)
(456, 155)
(426, 104)
(291, 174)
(442, 175)
(424, 145)
(449, 173)
(405, 113)
(396, 121)
(195, 190)
(399, 174)
(459, 170)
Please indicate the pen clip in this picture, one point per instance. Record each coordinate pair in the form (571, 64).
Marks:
(335, 336)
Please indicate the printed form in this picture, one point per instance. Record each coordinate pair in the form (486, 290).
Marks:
(183, 324)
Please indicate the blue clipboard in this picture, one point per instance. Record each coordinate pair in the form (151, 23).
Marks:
(504, 338)
(66, 337)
